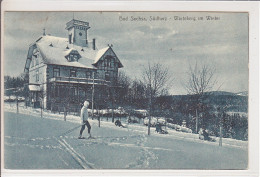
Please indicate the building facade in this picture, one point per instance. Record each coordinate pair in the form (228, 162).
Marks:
(67, 71)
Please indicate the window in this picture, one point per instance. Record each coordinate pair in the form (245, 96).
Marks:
(107, 78)
(32, 63)
(73, 91)
(88, 74)
(57, 89)
(71, 58)
(96, 75)
(105, 63)
(37, 76)
(72, 73)
(82, 92)
(75, 58)
(56, 72)
(112, 63)
(108, 62)
(37, 61)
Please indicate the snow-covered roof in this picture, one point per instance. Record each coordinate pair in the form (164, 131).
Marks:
(54, 49)
(100, 53)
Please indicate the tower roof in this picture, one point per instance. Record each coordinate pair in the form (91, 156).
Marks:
(77, 23)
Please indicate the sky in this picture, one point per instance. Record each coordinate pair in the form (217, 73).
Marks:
(177, 40)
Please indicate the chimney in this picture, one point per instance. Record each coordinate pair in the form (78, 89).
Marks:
(94, 44)
(70, 36)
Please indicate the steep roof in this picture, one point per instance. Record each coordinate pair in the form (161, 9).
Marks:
(54, 49)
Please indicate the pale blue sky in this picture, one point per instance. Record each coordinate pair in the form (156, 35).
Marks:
(175, 43)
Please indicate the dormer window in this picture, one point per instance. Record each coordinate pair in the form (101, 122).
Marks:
(73, 55)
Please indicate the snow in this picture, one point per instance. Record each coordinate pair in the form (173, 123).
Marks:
(13, 98)
(69, 51)
(100, 53)
(134, 127)
(34, 88)
(130, 148)
(142, 112)
(244, 93)
(231, 113)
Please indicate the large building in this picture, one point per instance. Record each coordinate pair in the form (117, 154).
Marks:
(63, 71)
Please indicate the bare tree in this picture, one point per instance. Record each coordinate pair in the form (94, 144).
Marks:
(122, 88)
(157, 79)
(200, 79)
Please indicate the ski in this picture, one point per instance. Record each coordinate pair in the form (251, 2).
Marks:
(81, 138)
(91, 137)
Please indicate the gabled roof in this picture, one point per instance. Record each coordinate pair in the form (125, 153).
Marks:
(102, 52)
(54, 49)
(99, 54)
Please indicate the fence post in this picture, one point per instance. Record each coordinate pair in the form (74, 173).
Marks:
(93, 91)
(220, 129)
(65, 113)
(197, 121)
(220, 135)
(17, 105)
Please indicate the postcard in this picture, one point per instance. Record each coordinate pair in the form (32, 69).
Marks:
(140, 91)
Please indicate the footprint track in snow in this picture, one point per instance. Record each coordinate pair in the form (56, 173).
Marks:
(143, 161)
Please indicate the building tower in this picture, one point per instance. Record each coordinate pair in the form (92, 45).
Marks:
(77, 32)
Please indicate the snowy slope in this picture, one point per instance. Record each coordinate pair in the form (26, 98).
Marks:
(29, 137)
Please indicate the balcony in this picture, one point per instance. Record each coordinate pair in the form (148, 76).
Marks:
(75, 80)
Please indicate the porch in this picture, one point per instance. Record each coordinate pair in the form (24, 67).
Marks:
(70, 93)
(75, 80)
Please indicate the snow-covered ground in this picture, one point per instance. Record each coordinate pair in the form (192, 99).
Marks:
(133, 127)
(129, 147)
(243, 114)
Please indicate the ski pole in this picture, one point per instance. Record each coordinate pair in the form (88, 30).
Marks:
(71, 130)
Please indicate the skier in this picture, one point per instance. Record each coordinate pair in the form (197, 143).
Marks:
(84, 120)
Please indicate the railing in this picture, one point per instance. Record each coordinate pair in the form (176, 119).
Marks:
(79, 80)
(77, 22)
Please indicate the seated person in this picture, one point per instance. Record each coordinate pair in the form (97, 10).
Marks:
(158, 127)
(205, 134)
(118, 123)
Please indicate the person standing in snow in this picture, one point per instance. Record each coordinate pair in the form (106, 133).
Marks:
(84, 120)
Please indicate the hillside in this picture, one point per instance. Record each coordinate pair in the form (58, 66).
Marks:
(237, 102)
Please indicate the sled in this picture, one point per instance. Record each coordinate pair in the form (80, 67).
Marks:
(201, 137)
